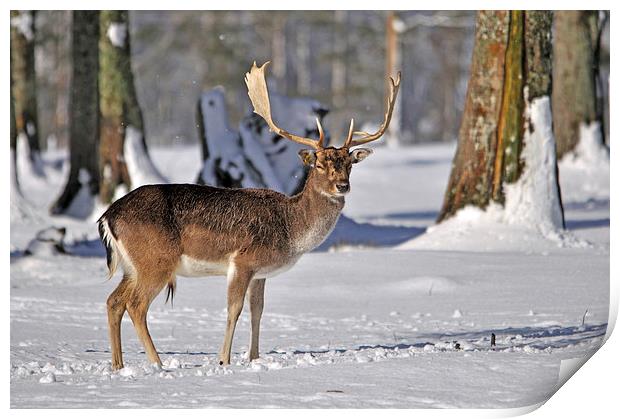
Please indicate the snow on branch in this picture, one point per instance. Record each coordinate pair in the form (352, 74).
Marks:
(140, 166)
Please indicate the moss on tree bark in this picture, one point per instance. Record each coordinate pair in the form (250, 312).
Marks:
(118, 101)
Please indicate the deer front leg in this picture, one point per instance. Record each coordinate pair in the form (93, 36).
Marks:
(256, 298)
(238, 281)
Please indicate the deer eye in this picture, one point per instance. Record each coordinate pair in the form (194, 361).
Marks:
(320, 166)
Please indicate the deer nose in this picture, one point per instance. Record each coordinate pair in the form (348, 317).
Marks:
(343, 187)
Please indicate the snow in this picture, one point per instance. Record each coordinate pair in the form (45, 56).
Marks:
(83, 204)
(141, 169)
(534, 200)
(584, 172)
(525, 222)
(26, 167)
(24, 24)
(357, 324)
(117, 33)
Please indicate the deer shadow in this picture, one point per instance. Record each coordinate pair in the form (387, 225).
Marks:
(351, 233)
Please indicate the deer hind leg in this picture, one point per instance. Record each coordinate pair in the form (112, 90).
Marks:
(238, 281)
(144, 292)
(256, 298)
(117, 303)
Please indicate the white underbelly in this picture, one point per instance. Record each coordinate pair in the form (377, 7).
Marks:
(274, 271)
(191, 267)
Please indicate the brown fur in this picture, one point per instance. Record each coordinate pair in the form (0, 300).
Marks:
(245, 233)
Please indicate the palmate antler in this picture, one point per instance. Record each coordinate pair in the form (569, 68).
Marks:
(259, 96)
(366, 137)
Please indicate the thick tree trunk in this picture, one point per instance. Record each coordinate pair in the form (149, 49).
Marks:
(83, 111)
(24, 83)
(574, 75)
(511, 67)
(471, 180)
(121, 117)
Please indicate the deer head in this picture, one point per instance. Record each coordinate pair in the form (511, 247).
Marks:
(330, 166)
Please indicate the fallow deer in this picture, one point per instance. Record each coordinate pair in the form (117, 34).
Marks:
(159, 231)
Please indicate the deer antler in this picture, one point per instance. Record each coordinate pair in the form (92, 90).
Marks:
(366, 137)
(259, 96)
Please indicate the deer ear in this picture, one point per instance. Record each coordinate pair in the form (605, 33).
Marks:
(307, 157)
(360, 154)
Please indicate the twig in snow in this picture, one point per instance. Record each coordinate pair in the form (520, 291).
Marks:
(583, 319)
(492, 339)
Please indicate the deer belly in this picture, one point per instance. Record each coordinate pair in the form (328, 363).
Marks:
(275, 270)
(191, 267)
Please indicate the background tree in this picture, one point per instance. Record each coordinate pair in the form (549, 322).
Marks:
(392, 67)
(124, 158)
(53, 70)
(14, 178)
(83, 118)
(24, 86)
(511, 69)
(575, 71)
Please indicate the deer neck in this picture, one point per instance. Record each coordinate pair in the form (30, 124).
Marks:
(313, 214)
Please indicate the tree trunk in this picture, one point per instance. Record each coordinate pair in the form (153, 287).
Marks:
(83, 112)
(24, 82)
(392, 65)
(14, 178)
(471, 180)
(574, 75)
(121, 117)
(511, 67)
(339, 80)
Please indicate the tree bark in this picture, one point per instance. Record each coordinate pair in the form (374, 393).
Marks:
(14, 176)
(471, 180)
(24, 83)
(511, 66)
(118, 101)
(574, 75)
(392, 65)
(83, 110)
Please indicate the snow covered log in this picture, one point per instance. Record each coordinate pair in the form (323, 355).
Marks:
(254, 156)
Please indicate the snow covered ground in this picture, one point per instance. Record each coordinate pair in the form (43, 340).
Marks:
(382, 315)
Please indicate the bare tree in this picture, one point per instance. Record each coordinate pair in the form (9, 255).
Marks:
(575, 72)
(24, 86)
(83, 117)
(511, 68)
